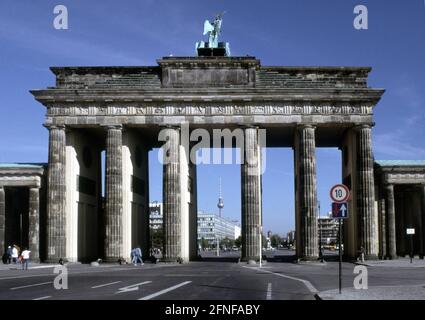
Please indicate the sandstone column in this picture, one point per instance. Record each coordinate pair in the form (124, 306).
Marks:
(366, 192)
(56, 199)
(34, 223)
(306, 193)
(172, 196)
(2, 219)
(114, 197)
(390, 210)
(251, 196)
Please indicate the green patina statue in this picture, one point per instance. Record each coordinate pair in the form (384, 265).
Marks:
(213, 47)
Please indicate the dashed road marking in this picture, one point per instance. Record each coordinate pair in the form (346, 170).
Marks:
(43, 298)
(31, 285)
(105, 285)
(269, 291)
(133, 287)
(156, 294)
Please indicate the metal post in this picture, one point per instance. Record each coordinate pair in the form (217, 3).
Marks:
(261, 249)
(217, 247)
(411, 248)
(340, 255)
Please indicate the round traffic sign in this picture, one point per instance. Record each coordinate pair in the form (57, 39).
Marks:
(340, 193)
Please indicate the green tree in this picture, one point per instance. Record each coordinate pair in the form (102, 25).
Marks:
(275, 240)
(227, 243)
(157, 238)
(238, 242)
(204, 243)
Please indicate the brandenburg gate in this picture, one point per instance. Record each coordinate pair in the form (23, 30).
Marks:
(121, 110)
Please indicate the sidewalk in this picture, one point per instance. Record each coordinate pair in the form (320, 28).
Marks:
(397, 263)
(32, 265)
(416, 292)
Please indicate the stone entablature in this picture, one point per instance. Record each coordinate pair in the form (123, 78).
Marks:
(401, 172)
(21, 175)
(207, 90)
(209, 109)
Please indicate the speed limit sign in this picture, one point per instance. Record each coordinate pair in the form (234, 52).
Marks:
(340, 193)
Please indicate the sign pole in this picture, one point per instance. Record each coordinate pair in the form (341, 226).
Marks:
(411, 248)
(340, 255)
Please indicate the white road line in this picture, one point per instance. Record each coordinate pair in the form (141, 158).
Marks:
(307, 283)
(106, 284)
(32, 285)
(153, 295)
(269, 291)
(44, 267)
(133, 287)
(43, 298)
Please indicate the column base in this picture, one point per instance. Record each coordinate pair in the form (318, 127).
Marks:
(172, 260)
(115, 260)
(392, 257)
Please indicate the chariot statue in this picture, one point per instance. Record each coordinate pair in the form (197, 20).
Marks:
(213, 47)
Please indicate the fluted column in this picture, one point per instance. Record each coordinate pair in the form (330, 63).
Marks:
(56, 196)
(366, 192)
(2, 219)
(34, 223)
(306, 193)
(390, 210)
(251, 196)
(172, 196)
(114, 197)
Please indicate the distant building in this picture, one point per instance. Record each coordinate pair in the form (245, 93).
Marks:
(290, 237)
(212, 227)
(156, 217)
(328, 229)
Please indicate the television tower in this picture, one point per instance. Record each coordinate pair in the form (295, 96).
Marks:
(220, 204)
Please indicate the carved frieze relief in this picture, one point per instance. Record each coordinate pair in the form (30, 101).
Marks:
(208, 109)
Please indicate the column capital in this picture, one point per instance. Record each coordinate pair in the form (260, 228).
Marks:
(113, 127)
(170, 126)
(55, 126)
(306, 126)
(389, 185)
(358, 127)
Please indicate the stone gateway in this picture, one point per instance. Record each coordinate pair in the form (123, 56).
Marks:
(119, 112)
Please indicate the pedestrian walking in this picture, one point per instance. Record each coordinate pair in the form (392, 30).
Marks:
(9, 254)
(139, 255)
(25, 258)
(136, 256)
(15, 254)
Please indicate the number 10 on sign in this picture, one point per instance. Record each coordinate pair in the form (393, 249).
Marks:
(340, 193)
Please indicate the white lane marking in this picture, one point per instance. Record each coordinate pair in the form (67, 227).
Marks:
(32, 285)
(156, 294)
(307, 283)
(43, 298)
(105, 285)
(44, 267)
(133, 287)
(269, 291)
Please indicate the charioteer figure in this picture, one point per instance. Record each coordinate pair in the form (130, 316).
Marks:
(213, 48)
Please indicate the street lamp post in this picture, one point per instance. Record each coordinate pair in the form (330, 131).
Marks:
(320, 234)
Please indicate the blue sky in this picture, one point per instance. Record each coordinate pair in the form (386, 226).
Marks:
(281, 32)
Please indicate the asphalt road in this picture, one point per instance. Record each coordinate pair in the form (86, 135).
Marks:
(212, 279)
